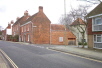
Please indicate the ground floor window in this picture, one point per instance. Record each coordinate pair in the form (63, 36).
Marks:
(98, 38)
(28, 37)
(98, 41)
(60, 39)
(22, 38)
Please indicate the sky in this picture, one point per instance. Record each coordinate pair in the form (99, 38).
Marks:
(54, 9)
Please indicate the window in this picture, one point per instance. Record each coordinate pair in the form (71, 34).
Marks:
(97, 24)
(25, 28)
(22, 38)
(60, 39)
(28, 37)
(22, 29)
(17, 27)
(28, 28)
(98, 38)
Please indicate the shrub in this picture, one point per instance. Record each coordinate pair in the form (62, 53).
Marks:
(80, 43)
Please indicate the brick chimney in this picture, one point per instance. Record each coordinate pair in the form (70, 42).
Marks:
(40, 9)
(26, 13)
(12, 22)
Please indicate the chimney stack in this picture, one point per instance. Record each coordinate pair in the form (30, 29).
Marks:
(40, 9)
(26, 13)
(12, 22)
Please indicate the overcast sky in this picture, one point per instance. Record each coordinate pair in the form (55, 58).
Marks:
(11, 9)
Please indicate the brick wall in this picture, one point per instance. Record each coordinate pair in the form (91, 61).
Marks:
(41, 32)
(55, 37)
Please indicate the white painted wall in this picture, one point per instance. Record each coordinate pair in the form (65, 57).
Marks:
(9, 31)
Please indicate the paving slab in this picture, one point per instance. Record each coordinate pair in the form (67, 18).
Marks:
(90, 53)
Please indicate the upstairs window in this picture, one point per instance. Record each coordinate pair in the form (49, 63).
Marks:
(22, 29)
(97, 24)
(28, 28)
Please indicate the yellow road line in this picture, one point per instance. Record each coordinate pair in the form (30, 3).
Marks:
(76, 55)
(13, 64)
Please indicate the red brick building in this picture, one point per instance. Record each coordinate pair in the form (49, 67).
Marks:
(36, 29)
(62, 36)
(7, 32)
(94, 20)
(16, 29)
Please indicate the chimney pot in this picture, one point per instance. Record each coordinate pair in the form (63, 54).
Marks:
(26, 13)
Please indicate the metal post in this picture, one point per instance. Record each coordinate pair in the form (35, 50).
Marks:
(65, 21)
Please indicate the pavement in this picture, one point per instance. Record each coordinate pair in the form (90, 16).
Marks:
(85, 52)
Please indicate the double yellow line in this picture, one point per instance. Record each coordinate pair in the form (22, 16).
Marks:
(6, 56)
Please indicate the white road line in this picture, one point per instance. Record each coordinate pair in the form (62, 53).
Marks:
(13, 64)
(75, 55)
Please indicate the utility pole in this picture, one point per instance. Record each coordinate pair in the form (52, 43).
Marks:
(65, 21)
(65, 8)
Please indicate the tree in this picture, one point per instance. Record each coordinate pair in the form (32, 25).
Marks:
(92, 1)
(66, 20)
(80, 12)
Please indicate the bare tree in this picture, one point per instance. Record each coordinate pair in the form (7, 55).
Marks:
(80, 12)
(66, 20)
(92, 1)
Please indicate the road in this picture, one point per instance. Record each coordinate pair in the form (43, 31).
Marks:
(33, 56)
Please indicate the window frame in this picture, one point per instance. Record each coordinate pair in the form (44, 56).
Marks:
(95, 24)
(60, 39)
(95, 38)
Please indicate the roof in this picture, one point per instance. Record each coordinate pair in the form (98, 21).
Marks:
(71, 35)
(57, 27)
(21, 20)
(38, 17)
(29, 19)
(95, 11)
(78, 21)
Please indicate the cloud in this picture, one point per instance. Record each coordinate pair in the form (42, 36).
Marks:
(2, 9)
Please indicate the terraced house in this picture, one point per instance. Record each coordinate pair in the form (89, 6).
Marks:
(37, 29)
(16, 29)
(94, 20)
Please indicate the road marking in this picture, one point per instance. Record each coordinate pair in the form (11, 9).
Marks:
(13, 64)
(75, 55)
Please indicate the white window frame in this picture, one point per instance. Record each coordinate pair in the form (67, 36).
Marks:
(60, 39)
(94, 23)
(96, 38)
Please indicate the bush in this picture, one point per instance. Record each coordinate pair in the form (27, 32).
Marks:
(80, 43)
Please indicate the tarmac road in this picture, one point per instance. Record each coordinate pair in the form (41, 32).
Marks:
(33, 56)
